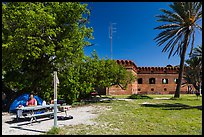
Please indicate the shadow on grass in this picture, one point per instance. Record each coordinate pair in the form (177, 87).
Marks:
(175, 106)
(27, 129)
(27, 120)
(139, 96)
(92, 100)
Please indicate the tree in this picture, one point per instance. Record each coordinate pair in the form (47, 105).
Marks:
(179, 32)
(193, 71)
(197, 52)
(40, 37)
(93, 74)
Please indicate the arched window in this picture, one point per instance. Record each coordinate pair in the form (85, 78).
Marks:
(176, 80)
(165, 81)
(139, 81)
(152, 81)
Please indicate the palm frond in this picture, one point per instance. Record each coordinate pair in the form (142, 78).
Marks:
(197, 6)
(198, 26)
(197, 52)
(178, 7)
(172, 15)
(171, 49)
(178, 50)
(164, 38)
(198, 16)
(163, 33)
(164, 18)
(168, 26)
(168, 44)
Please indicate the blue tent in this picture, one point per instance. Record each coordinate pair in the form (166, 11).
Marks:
(21, 100)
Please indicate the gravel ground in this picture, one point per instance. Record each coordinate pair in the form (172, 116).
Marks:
(81, 115)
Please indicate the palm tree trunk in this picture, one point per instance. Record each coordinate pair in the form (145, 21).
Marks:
(181, 67)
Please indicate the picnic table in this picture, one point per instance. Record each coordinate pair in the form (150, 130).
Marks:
(35, 111)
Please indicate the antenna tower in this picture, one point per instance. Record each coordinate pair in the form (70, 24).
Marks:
(111, 31)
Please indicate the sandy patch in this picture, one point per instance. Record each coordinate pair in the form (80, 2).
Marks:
(81, 115)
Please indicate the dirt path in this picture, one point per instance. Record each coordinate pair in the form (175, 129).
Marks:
(81, 115)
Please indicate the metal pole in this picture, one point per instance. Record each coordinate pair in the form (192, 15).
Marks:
(112, 30)
(55, 99)
(111, 41)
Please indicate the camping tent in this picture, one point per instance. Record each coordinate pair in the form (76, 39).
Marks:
(21, 100)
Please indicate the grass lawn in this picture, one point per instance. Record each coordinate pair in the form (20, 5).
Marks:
(181, 116)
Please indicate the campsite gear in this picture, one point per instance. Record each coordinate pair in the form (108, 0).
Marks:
(43, 103)
(21, 100)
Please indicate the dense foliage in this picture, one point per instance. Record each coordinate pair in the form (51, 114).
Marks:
(193, 71)
(41, 37)
(93, 74)
(138, 96)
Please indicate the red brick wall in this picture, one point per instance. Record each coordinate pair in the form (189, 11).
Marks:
(131, 88)
(146, 73)
(158, 87)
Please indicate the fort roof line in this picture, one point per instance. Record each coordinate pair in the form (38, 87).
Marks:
(157, 68)
(129, 63)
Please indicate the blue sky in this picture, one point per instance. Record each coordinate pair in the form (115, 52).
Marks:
(133, 40)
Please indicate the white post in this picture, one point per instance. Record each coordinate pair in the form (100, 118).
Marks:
(200, 88)
(55, 98)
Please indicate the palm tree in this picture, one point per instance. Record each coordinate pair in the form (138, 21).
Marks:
(192, 72)
(197, 52)
(179, 31)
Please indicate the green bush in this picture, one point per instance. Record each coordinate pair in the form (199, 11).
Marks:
(138, 96)
(54, 131)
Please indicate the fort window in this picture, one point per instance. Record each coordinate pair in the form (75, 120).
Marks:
(139, 89)
(152, 81)
(152, 89)
(165, 81)
(165, 89)
(139, 80)
(176, 80)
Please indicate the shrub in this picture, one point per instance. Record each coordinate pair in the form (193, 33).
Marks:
(54, 131)
(137, 96)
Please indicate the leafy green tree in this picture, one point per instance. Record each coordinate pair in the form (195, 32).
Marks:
(179, 32)
(93, 74)
(110, 73)
(40, 37)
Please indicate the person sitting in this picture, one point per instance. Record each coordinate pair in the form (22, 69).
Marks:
(52, 101)
(32, 101)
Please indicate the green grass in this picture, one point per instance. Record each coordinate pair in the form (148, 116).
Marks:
(182, 116)
(54, 131)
